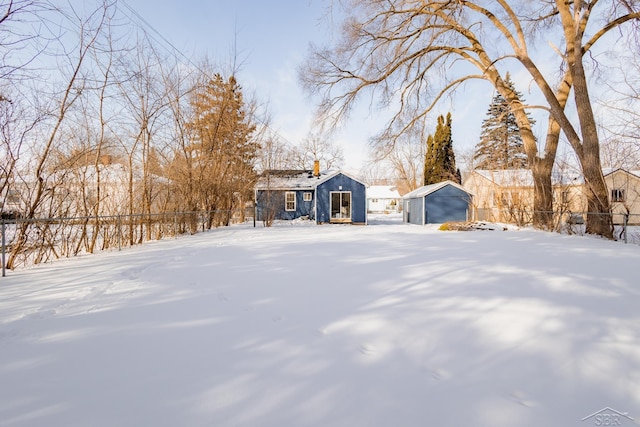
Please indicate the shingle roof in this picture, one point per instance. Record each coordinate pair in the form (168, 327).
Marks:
(432, 188)
(295, 179)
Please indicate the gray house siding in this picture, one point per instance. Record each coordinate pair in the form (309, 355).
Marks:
(342, 183)
(275, 199)
(414, 211)
(437, 203)
(447, 204)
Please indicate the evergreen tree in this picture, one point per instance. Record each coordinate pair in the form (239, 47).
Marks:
(440, 160)
(218, 167)
(500, 145)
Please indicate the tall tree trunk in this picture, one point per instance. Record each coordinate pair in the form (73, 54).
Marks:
(599, 211)
(598, 208)
(542, 194)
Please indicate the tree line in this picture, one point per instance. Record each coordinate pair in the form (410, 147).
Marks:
(98, 118)
(410, 56)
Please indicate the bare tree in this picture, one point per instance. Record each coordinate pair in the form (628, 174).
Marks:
(21, 37)
(412, 54)
(89, 29)
(274, 151)
(145, 100)
(405, 157)
(621, 112)
(214, 162)
(16, 126)
(316, 146)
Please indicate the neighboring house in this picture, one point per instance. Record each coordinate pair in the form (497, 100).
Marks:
(507, 195)
(437, 203)
(383, 199)
(624, 194)
(11, 204)
(74, 191)
(324, 197)
(79, 190)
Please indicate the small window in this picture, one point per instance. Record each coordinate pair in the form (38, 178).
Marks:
(290, 201)
(565, 196)
(306, 197)
(617, 195)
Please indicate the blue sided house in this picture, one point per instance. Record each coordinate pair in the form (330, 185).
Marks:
(324, 197)
(445, 201)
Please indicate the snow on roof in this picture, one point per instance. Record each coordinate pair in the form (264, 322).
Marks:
(432, 188)
(508, 177)
(524, 178)
(295, 179)
(383, 192)
(287, 179)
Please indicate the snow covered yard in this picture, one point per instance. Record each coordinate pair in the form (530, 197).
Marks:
(383, 325)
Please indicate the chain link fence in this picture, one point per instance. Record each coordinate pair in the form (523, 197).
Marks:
(27, 242)
(625, 226)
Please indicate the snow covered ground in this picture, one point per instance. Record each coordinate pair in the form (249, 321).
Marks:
(383, 325)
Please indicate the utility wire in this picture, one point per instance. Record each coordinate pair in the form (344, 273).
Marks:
(141, 22)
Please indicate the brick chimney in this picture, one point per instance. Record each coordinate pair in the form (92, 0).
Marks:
(316, 168)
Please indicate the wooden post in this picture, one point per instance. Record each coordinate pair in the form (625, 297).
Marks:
(3, 248)
(119, 222)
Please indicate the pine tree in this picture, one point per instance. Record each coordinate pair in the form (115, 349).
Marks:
(219, 162)
(440, 160)
(500, 145)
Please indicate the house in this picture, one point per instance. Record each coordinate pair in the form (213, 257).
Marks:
(383, 199)
(507, 195)
(324, 197)
(437, 203)
(624, 194)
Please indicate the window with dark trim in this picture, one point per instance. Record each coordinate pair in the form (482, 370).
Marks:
(617, 195)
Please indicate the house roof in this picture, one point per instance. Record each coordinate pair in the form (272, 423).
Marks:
(295, 179)
(524, 178)
(611, 171)
(383, 192)
(428, 189)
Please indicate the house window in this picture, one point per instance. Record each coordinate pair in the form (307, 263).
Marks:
(617, 195)
(306, 197)
(565, 196)
(290, 201)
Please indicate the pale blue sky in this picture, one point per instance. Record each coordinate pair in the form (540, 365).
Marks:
(272, 38)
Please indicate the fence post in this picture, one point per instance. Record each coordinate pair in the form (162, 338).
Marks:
(624, 229)
(3, 248)
(119, 225)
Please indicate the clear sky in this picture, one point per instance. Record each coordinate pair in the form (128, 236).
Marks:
(271, 40)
